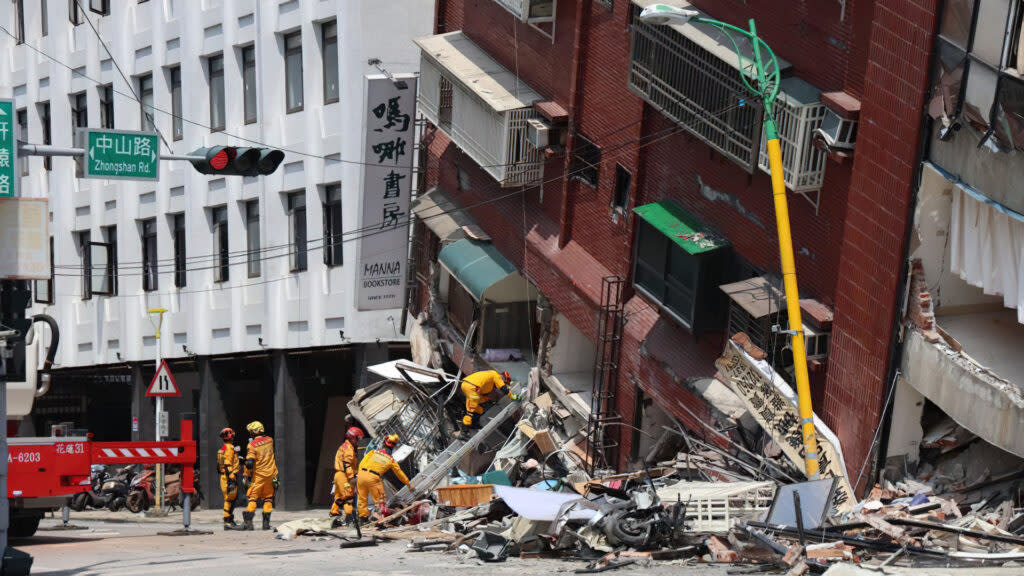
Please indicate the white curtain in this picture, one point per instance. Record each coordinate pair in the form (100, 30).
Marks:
(987, 247)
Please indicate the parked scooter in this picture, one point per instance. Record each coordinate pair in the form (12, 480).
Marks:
(108, 491)
(142, 496)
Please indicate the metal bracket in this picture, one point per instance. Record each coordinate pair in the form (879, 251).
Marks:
(778, 330)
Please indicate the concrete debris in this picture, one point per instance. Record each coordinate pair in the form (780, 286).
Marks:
(523, 484)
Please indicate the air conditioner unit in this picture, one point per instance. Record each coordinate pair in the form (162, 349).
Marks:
(837, 132)
(538, 133)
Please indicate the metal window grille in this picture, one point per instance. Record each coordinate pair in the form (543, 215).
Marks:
(696, 89)
(803, 164)
(496, 141)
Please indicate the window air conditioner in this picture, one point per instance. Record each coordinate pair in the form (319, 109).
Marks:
(537, 133)
(837, 132)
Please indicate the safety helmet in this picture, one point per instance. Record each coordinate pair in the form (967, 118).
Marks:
(506, 377)
(255, 427)
(227, 434)
(354, 434)
(391, 440)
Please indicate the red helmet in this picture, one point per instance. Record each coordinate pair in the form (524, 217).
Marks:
(227, 434)
(354, 434)
(506, 377)
(391, 440)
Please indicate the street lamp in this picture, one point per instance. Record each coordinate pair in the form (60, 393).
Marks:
(766, 90)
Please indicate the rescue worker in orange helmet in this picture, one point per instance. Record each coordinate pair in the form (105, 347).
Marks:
(478, 388)
(370, 481)
(227, 467)
(345, 472)
(261, 469)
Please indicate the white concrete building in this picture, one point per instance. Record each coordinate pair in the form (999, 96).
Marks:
(286, 74)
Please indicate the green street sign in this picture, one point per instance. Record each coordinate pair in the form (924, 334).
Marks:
(121, 154)
(8, 150)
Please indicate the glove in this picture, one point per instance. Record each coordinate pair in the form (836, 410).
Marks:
(514, 396)
(348, 485)
(231, 484)
(245, 482)
(276, 483)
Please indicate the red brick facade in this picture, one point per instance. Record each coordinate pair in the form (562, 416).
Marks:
(848, 253)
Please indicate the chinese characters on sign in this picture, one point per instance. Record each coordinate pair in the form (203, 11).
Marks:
(779, 416)
(121, 154)
(387, 183)
(8, 150)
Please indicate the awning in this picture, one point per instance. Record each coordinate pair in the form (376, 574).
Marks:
(477, 71)
(685, 230)
(714, 40)
(755, 295)
(441, 215)
(476, 265)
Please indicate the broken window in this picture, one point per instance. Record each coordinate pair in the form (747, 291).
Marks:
(946, 86)
(1009, 113)
(957, 16)
(979, 94)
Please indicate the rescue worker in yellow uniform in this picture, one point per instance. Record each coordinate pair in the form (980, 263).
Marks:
(477, 388)
(261, 470)
(345, 472)
(227, 467)
(371, 476)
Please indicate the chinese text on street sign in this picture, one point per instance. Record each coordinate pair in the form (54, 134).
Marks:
(121, 154)
(8, 150)
(778, 414)
(387, 182)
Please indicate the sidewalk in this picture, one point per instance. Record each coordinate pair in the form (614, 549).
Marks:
(201, 516)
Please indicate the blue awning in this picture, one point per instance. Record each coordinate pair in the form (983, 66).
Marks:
(476, 265)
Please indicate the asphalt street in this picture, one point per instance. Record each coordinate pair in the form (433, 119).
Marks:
(122, 544)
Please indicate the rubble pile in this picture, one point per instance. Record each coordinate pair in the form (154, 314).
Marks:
(524, 485)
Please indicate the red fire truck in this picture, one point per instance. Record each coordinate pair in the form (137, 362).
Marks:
(42, 472)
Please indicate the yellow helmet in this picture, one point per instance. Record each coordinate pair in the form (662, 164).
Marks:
(255, 427)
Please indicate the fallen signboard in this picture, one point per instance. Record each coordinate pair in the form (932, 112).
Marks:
(771, 402)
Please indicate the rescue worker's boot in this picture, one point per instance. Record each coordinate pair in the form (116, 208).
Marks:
(247, 520)
(229, 523)
(266, 520)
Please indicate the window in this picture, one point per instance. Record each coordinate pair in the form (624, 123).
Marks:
(101, 7)
(19, 21)
(44, 26)
(104, 261)
(84, 240)
(43, 290)
(678, 265)
(293, 71)
(44, 119)
(333, 239)
(79, 111)
(252, 237)
(330, 59)
(177, 125)
(215, 75)
(586, 161)
(107, 106)
(623, 180)
(146, 102)
(297, 226)
(249, 83)
(222, 264)
(180, 276)
(75, 14)
(23, 135)
(461, 306)
(150, 271)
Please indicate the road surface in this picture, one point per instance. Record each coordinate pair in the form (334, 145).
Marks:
(122, 544)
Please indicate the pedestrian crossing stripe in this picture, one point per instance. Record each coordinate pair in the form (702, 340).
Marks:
(163, 383)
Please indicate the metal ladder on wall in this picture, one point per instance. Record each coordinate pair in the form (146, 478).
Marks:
(601, 450)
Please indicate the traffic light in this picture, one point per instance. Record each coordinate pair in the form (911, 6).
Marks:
(237, 161)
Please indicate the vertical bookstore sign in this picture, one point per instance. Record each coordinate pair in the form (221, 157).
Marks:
(387, 182)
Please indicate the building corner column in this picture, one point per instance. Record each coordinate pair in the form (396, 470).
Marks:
(289, 435)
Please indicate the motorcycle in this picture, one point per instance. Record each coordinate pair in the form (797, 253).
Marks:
(142, 495)
(108, 491)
